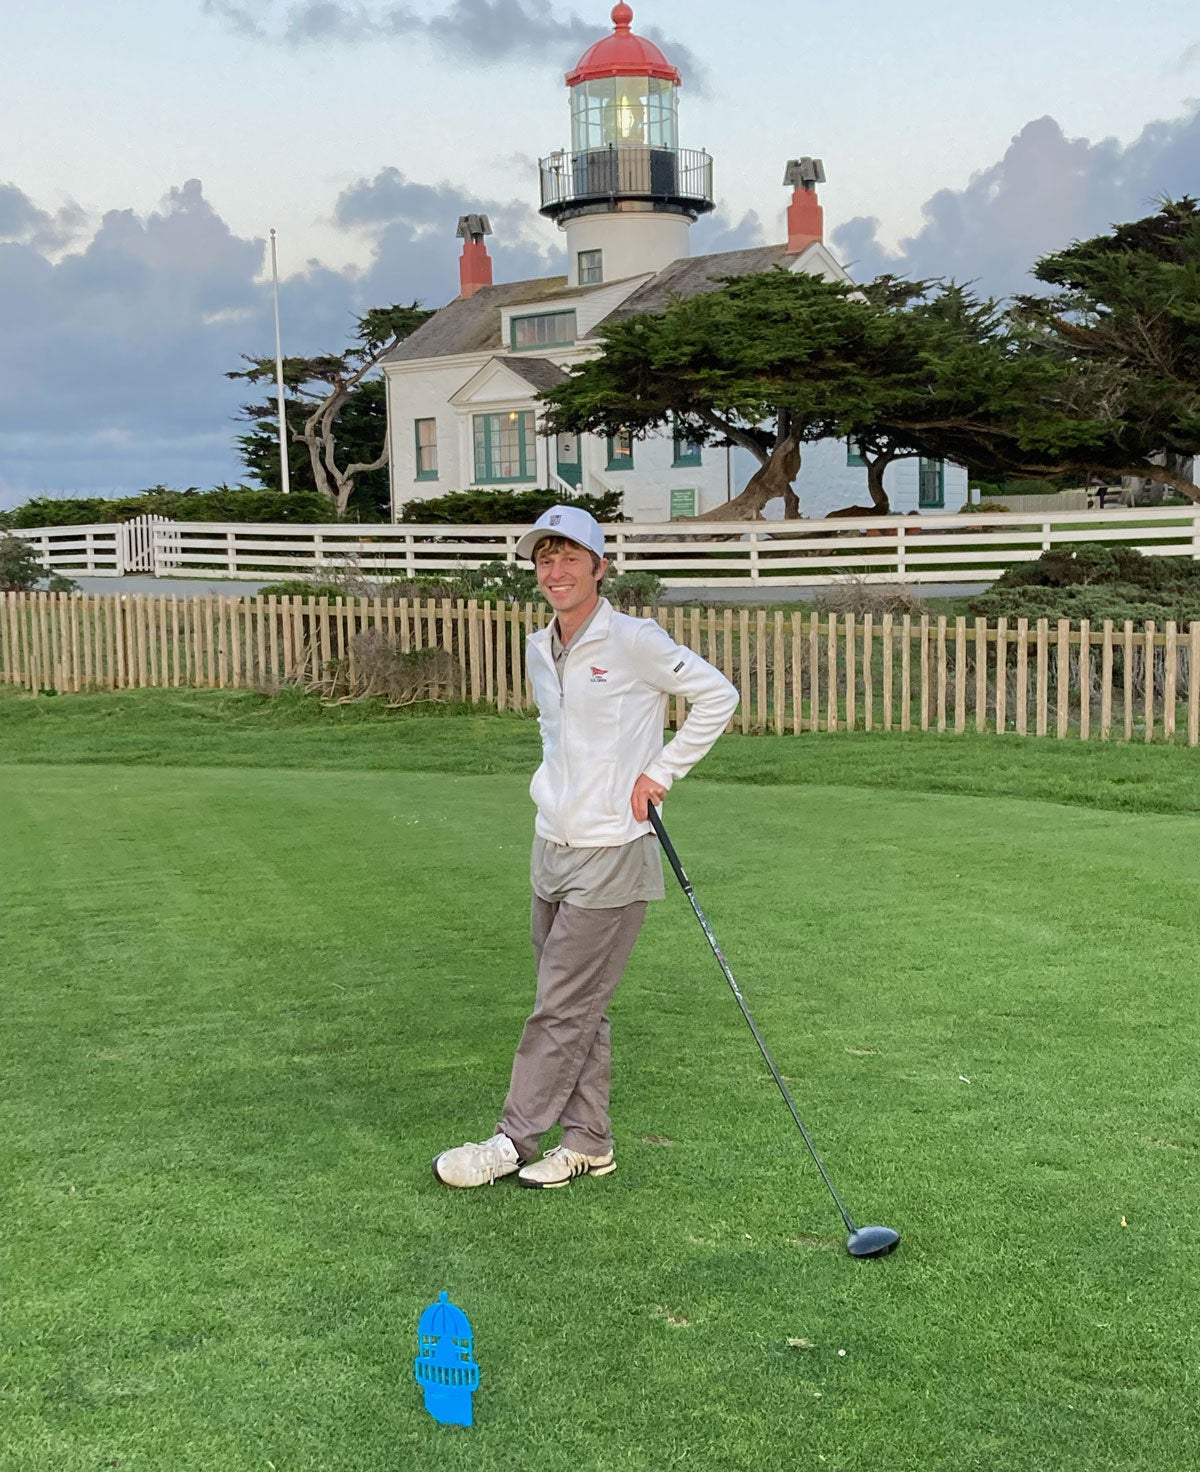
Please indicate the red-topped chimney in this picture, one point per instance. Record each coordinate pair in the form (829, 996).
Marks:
(475, 265)
(805, 217)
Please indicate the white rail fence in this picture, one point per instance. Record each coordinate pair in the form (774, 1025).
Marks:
(901, 549)
(94, 551)
(105, 549)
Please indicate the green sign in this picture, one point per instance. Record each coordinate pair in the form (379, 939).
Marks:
(683, 503)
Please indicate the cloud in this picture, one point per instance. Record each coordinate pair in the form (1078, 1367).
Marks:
(116, 351)
(116, 347)
(1190, 58)
(239, 18)
(412, 230)
(479, 31)
(392, 197)
(717, 232)
(22, 220)
(118, 334)
(1046, 191)
(493, 28)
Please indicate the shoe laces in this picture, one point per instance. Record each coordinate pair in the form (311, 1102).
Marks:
(488, 1155)
(574, 1160)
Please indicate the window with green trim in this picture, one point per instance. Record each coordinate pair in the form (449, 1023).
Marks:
(854, 454)
(544, 330)
(505, 446)
(620, 451)
(591, 267)
(686, 451)
(426, 437)
(931, 483)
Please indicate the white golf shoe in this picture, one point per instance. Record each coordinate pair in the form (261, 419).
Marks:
(477, 1165)
(560, 1166)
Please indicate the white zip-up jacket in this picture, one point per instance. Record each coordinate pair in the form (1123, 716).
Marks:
(603, 727)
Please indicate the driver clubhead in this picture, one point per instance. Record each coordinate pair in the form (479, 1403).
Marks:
(872, 1242)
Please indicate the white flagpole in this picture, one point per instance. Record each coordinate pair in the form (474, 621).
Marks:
(285, 479)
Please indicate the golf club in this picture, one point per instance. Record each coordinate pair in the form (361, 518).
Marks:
(862, 1241)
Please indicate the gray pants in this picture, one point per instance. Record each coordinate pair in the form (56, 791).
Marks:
(562, 1069)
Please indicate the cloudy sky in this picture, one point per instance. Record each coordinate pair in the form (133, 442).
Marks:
(151, 145)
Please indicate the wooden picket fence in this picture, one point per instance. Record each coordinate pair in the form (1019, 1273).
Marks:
(796, 672)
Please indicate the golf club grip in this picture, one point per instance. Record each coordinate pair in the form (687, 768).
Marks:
(668, 847)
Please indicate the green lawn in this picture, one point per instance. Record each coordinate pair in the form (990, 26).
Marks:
(262, 964)
(241, 728)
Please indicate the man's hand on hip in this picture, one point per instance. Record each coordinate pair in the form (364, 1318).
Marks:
(646, 790)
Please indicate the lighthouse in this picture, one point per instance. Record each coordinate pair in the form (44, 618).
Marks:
(464, 391)
(625, 193)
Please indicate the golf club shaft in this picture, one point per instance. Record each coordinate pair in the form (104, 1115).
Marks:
(685, 884)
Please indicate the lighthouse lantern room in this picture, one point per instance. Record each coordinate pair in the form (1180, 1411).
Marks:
(626, 194)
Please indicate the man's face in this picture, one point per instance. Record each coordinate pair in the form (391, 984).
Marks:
(566, 577)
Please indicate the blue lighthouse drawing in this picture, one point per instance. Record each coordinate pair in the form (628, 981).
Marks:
(445, 1367)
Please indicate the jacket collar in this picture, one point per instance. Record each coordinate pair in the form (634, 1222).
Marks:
(598, 629)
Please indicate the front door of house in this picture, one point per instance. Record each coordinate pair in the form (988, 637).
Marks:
(569, 468)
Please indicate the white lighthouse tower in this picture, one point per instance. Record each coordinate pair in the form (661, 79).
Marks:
(626, 194)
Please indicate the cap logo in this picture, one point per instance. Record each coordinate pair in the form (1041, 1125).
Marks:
(554, 520)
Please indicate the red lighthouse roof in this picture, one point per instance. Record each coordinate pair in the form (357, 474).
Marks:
(623, 55)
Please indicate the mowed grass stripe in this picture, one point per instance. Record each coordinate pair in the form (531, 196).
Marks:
(246, 1006)
(242, 728)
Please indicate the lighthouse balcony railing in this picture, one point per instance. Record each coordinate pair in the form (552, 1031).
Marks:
(629, 171)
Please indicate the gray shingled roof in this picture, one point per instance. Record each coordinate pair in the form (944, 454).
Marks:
(539, 373)
(695, 275)
(472, 324)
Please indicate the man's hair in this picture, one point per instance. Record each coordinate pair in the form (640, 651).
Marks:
(556, 544)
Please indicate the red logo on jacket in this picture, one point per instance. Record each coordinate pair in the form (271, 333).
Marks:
(599, 676)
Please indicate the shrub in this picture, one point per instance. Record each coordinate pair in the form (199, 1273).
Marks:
(1094, 564)
(632, 590)
(502, 507)
(48, 511)
(377, 670)
(1004, 486)
(1118, 602)
(498, 582)
(245, 503)
(494, 582)
(855, 595)
(223, 503)
(330, 584)
(302, 587)
(21, 571)
(1097, 583)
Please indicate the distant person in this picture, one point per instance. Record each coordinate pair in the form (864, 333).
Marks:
(602, 681)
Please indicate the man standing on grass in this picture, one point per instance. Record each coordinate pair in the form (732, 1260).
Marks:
(601, 681)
